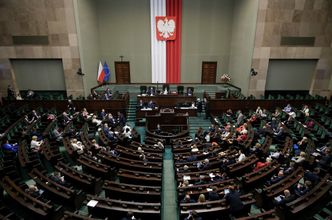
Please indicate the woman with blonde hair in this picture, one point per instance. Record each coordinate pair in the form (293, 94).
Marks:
(201, 198)
(301, 158)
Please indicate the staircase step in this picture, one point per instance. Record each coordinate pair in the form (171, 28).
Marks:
(327, 211)
(318, 217)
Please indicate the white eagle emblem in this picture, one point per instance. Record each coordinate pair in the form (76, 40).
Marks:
(166, 28)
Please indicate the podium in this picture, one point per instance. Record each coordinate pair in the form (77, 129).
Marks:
(173, 125)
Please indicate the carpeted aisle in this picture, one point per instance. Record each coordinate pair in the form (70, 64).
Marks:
(169, 193)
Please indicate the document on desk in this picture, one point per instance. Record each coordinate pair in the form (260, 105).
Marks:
(92, 203)
(186, 178)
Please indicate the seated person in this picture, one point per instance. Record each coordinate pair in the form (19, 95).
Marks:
(276, 178)
(276, 154)
(203, 179)
(151, 91)
(312, 176)
(111, 120)
(325, 161)
(57, 134)
(288, 108)
(243, 136)
(10, 147)
(184, 184)
(229, 113)
(204, 165)
(30, 94)
(114, 153)
(193, 156)
(285, 198)
(306, 110)
(264, 113)
(95, 120)
(34, 191)
(143, 157)
(96, 146)
(65, 118)
(159, 145)
(226, 135)
(35, 144)
(259, 111)
(158, 129)
(220, 177)
(279, 133)
(141, 104)
(193, 215)
(273, 124)
(85, 113)
(129, 216)
(165, 92)
(242, 128)
(58, 178)
(300, 189)
(242, 156)
(201, 198)
(187, 199)
(303, 143)
(292, 115)
(166, 89)
(77, 146)
(208, 137)
(253, 119)
(71, 108)
(102, 114)
(226, 162)
(189, 91)
(50, 117)
(300, 159)
(260, 165)
(290, 168)
(213, 195)
(151, 105)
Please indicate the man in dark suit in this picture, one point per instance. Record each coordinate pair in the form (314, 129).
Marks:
(286, 198)
(187, 199)
(151, 91)
(234, 201)
(193, 216)
(213, 195)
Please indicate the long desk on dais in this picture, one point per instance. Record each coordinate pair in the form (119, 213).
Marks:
(167, 101)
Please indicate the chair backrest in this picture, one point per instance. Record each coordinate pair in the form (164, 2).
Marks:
(180, 89)
(143, 89)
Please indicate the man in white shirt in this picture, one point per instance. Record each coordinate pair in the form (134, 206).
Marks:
(242, 156)
(35, 145)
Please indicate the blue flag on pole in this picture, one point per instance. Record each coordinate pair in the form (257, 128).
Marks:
(107, 73)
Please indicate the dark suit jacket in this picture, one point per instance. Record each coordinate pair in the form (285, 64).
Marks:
(234, 201)
(213, 196)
